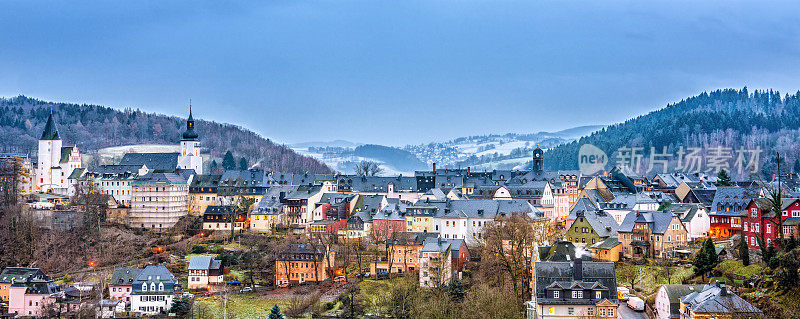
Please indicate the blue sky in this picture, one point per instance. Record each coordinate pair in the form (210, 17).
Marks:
(395, 72)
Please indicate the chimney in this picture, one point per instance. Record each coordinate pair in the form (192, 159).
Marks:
(434, 168)
(723, 290)
(577, 270)
(468, 171)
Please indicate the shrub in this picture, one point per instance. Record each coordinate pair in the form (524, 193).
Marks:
(198, 249)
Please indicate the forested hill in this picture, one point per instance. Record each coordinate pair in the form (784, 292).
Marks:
(729, 117)
(92, 127)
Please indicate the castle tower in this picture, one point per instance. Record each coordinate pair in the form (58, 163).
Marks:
(49, 155)
(189, 157)
(537, 166)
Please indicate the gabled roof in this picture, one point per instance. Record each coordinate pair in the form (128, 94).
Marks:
(124, 276)
(203, 263)
(718, 299)
(155, 273)
(65, 152)
(161, 162)
(169, 178)
(10, 274)
(271, 201)
(658, 221)
(592, 273)
(608, 243)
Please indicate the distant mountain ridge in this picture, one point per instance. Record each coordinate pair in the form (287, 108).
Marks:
(94, 127)
(731, 118)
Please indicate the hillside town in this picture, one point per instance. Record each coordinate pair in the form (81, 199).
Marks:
(241, 242)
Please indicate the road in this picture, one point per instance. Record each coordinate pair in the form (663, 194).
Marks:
(628, 313)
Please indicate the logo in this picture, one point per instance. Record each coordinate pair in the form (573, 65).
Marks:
(591, 159)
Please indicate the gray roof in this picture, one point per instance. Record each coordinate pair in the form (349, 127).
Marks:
(304, 192)
(204, 263)
(686, 212)
(477, 208)
(436, 245)
(561, 250)
(244, 178)
(154, 177)
(206, 180)
(155, 273)
(271, 201)
(50, 130)
(732, 196)
(658, 221)
(549, 272)
(124, 276)
(379, 184)
(10, 274)
(163, 162)
(718, 299)
(607, 243)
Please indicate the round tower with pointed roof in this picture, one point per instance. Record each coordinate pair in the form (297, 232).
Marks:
(189, 157)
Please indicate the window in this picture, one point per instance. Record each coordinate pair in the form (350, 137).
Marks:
(602, 312)
(610, 312)
(574, 294)
(580, 294)
(551, 310)
(597, 295)
(590, 311)
(570, 311)
(556, 294)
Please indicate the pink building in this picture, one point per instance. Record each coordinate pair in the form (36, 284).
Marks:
(30, 296)
(120, 285)
(386, 222)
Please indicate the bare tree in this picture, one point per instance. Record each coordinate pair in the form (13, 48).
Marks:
(368, 168)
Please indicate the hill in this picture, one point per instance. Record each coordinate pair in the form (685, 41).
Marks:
(94, 127)
(730, 118)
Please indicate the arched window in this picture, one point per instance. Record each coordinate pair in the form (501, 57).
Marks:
(161, 286)
(153, 286)
(144, 287)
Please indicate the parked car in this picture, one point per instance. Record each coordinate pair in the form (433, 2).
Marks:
(338, 279)
(636, 303)
(246, 289)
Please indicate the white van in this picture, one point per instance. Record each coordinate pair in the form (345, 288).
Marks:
(636, 303)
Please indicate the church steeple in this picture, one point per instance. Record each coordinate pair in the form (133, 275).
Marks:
(190, 134)
(50, 131)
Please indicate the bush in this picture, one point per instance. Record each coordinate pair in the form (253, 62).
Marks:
(330, 305)
(198, 249)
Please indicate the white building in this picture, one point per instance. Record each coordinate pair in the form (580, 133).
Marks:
(153, 290)
(466, 219)
(158, 200)
(55, 163)
(189, 157)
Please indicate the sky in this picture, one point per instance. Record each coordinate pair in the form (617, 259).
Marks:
(395, 72)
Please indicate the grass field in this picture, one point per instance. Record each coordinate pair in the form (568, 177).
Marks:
(241, 305)
(648, 278)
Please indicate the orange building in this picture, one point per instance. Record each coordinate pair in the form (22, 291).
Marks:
(303, 263)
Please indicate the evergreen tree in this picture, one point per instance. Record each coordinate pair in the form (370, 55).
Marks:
(243, 164)
(275, 313)
(214, 165)
(744, 253)
(723, 179)
(797, 166)
(228, 162)
(456, 290)
(706, 259)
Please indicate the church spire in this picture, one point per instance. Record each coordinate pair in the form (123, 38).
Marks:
(50, 130)
(190, 134)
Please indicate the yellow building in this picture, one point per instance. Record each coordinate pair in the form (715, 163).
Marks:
(609, 249)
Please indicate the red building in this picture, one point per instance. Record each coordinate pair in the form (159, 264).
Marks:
(728, 209)
(760, 220)
(387, 222)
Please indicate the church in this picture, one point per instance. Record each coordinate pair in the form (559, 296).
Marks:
(55, 163)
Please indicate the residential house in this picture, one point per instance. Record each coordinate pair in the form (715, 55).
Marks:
(203, 193)
(303, 263)
(590, 226)
(31, 295)
(668, 299)
(728, 209)
(403, 255)
(760, 220)
(219, 218)
(204, 271)
(716, 301)
(609, 249)
(651, 234)
(578, 289)
(435, 263)
(153, 290)
(269, 212)
(300, 204)
(121, 284)
(15, 274)
(233, 184)
(466, 219)
(694, 217)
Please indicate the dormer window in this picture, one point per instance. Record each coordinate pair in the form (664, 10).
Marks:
(144, 287)
(152, 286)
(161, 287)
